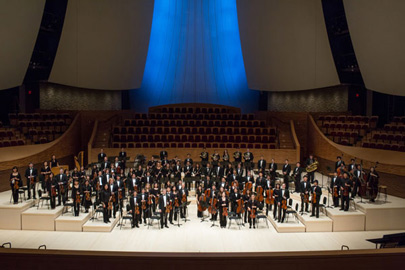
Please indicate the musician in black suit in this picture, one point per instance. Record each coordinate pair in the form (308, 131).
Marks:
(105, 164)
(297, 176)
(286, 173)
(207, 171)
(234, 197)
(163, 202)
(188, 170)
(311, 175)
(133, 183)
(105, 199)
(316, 198)
(123, 158)
(284, 195)
(62, 180)
(218, 172)
(305, 189)
(339, 162)
(357, 177)
(261, 164)
(189, 160)
(76, 192)
(54, 162)
(277, 195)
(239, 170)
(147, 179)
(269, 184)
(252, 207)
(249, 178)
(234, 177)
(260, 181)
(31, 174)
(163, 155)
(214, 194)
(171, 197)
(204, 158)
(101, 157)
(335, 189)
(352, 165)
(345, 188)
(248, 157)
(114, 196)
(273, 169)
(15, 183)
(183, 193)
(237, 157)
(135, 209)
(143, 197)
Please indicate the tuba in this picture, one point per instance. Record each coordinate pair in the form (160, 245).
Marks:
(312, 167)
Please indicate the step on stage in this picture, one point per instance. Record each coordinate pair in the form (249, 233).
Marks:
(11, 213)
(42, 219)
(69, 222)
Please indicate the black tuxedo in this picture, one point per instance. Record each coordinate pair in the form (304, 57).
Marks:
(338, 164)
(135, 201)
(335, 182)
(101, 157)
(287, 171)
(280, 198)
(33, 173)
(261, 165)
(315, 205)
(162, 206)
(273, 170)
(62, 180)
(305, 189)
(105, 165)
(188, 160)
(297, 177)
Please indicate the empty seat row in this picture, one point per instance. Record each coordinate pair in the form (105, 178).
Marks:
(8, 143)
(194, 123)
(349, 118)
(195, 145)
(384, 146)
(204, 110)
(194, 138)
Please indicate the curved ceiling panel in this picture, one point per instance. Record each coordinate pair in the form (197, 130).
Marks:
(19, 25)
(104, 44)
(285, 45)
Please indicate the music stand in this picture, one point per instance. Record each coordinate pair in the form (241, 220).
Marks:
(329, 192)
(185, 206)
(213, 221)
(177, 213)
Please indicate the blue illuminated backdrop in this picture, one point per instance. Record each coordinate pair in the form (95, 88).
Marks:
(194, 56)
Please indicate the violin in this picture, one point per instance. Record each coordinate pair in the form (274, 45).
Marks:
(346, 191)
(225, 211)
(176, 202)
(110, 204)
(259, 192)
(16, 187)
(169, 207)
(150, 199)
(284, 204)
(137, 209)
(335, 192)
(306, 197)
(144, 205)
(120, 194)
(88, 198)
(62, 188)
(184, 198)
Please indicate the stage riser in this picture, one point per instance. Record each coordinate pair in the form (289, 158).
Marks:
(70, 223)
(100, 226)
(11, 216)
(40, 220)
(384, 219)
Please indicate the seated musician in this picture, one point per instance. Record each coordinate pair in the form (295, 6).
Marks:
(252, 207)
(284, 195)
(316, 198)
(223, 209)
(305, 192)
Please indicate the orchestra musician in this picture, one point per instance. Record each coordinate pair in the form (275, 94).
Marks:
(305, 188)
(52, 188)
(218, 172)
(215, 159)
(261, 164)
(15, 183)
(234, 198)
(297, 176)
(87, 194)
(188, 170)
(311, 175)
(164, 200)
(163, 155)
(200, 199)
(252, 207)
(120, 186)
(223, 209)
(212, 198)
(143, 197)
(31, 176)
(45, 172)
(357, 178)
(54, 162)
(177, 171)
(335, 189)
(204, 158)
(273, 169)
(105, 199)
(114, 195)
(372, 182)
(237, 156)
(155, 193)
(248, 158)
(339, 162)
(316, 198)
(105, 164)
(76, 197)
(123, 158)
(171, 197)
(135, 208)
(286, 173)
(225, 158)
(246, 197)
(345, 188)
(268, 189)
(101, 156)
(183, 193)
(284, 195)
(188, 160)
(352, 165)
(62, 181)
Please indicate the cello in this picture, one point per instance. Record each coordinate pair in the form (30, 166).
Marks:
(212, 209)
(240, 209)
(201, 200)
(259, 192)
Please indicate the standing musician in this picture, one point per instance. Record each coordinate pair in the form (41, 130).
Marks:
(225, 158)
(87, 194)
(118, 166)
(177, 171)
(273, 169)
(75, 174)
(123, 158)
(234, 198)
(286, 173)
(310, 161)
(105, 199)
(297, 176)
(147, 179)
(114, 194)
(52, 188)
(284, 195)
(15, 183)
(155, 193)
(268, 189)
(31, 175)
(339, 162)
(345, 188)
(215, 159)
(135, 209)
(133, 183)
(237, 156)
(372, 182)
(144, 206)
(248, 157)
(105, 164)
(214, 206)
(164, 201)
(239, 170)
(188, 160)
(246, 197)
(261, 164)
(170, 195)
(183, 192)
(223, 209)
(188, 170)
(101, 156)
(305, 188)
(316, 198)
(352, 165)
(76, 192)
(335, 189)
(120, 186)
(163, 154)
(54, 162)
(252, 206)
(62, 181)
(204, 158)
(218, 173)
(201, 199)
(45, 172)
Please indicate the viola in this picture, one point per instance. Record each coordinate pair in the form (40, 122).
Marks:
(88, 198)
